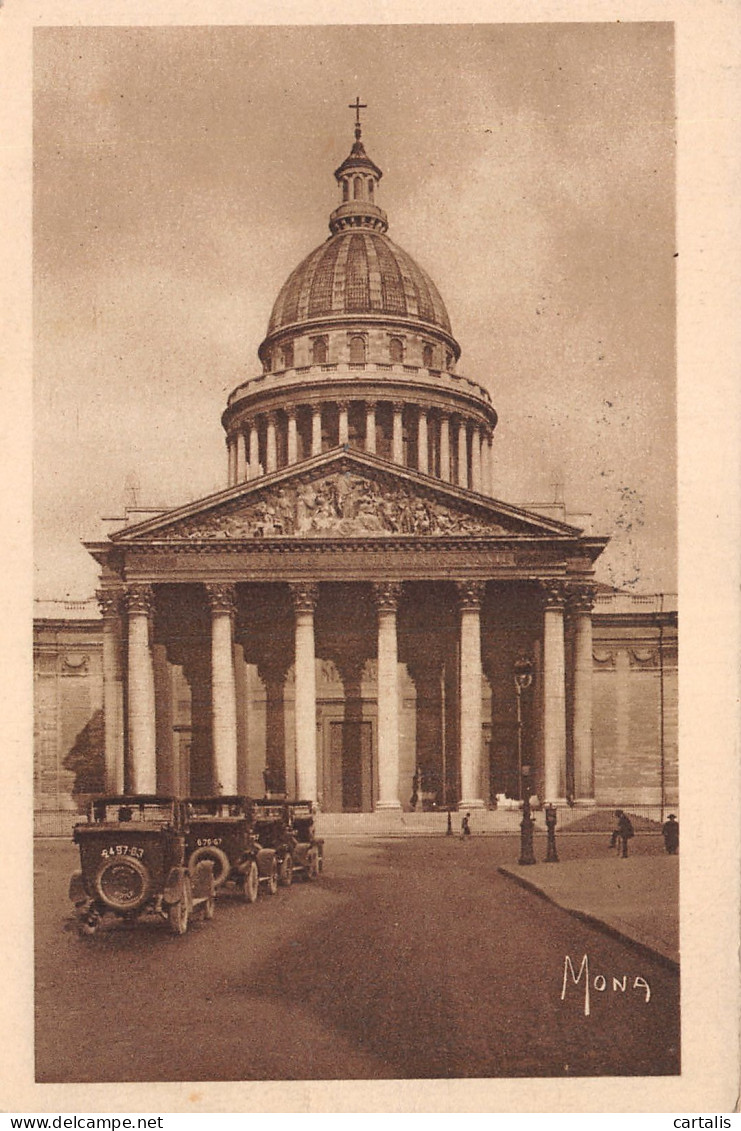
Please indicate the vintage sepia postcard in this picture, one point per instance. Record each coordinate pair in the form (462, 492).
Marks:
(379, 593)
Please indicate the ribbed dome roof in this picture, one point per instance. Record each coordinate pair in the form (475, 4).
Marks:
(358, 272)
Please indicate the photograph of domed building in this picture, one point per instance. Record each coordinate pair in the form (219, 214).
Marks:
(342, 620)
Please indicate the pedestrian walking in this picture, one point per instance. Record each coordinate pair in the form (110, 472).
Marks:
(670, 833)
(466, 825)
(622, 833)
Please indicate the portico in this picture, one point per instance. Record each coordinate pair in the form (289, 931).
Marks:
(316, 634)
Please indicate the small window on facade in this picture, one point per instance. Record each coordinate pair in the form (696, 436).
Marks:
(357, 188)
(288, 355)
(266, 363)
(357, 350)
(448, 361)
(345, 190)
(319, 351)
(427, 356)
(396, 350)
(370, 189)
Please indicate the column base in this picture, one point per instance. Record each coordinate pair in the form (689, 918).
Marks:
(585, 803)
(387, 806)
(475, 804)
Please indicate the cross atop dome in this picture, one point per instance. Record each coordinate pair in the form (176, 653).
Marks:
(357, 106)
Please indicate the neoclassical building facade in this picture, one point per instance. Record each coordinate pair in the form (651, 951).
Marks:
(343, 619)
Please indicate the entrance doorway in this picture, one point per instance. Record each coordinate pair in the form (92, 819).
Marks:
(348, 785)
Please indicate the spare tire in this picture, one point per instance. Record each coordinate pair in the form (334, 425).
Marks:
(123, 883)
(217, 856)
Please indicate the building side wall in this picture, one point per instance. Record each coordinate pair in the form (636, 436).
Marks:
(68, 698)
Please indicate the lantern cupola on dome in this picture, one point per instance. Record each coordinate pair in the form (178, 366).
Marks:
(358, 179)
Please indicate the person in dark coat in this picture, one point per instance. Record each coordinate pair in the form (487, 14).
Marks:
(622, 833)
(670, 833)
(466, 825)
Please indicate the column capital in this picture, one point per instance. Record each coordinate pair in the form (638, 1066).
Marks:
(304, 595)
(398, 406)
(221, 598)
(554, 594)
(386, 595)
(470, 594)
(110, 602)
(581, 598)
(139, 599)
(370, 405)
(291, 410)
(343, 404)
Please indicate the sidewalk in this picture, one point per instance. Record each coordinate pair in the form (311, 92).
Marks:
(635, 899)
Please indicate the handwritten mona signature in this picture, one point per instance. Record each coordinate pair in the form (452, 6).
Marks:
(599, 982)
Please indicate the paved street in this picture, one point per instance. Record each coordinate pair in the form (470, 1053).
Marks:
(409, 958)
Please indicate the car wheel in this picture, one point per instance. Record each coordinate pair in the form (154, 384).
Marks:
(286, 871)
(89, 925)
(312, 864)
(177, 916)
(217, 857)
(273, 877)
(251, 883)
(123, 883)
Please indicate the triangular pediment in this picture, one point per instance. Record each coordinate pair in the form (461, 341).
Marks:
(344, 494)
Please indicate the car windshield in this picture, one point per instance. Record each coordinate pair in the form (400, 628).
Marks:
(132, 812)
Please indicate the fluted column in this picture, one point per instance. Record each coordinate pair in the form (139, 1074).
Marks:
(397, 442)
(343, 423)
(231, 457)
(489, 464)
(316, 430)
(222, 603)
(254, 449)
(422, 442)
(271, 447)
(241, 456)
(387, 595)
(445, 447)
(292, 435)
(581, 611)
(554, 694)
(462, 454)
(370, 426)
(142, 724)
(470, 596)
(476, 458)
(110, 607)
(304, 598)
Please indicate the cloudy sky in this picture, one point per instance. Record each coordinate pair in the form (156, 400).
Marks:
(181, 173)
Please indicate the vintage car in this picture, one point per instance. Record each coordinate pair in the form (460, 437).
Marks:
(132, 856)
(288, 828)
(221, 829)
(308, 851)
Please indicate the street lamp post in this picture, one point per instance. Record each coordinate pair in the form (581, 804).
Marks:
(523, 673)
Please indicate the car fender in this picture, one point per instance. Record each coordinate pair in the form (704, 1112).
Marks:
(202, 879)
(265, 858)
(174, 889)
(77, 891)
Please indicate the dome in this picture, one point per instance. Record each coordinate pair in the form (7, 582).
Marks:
(358, 271)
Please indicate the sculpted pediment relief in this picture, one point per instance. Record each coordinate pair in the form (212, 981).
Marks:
(339, 504)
